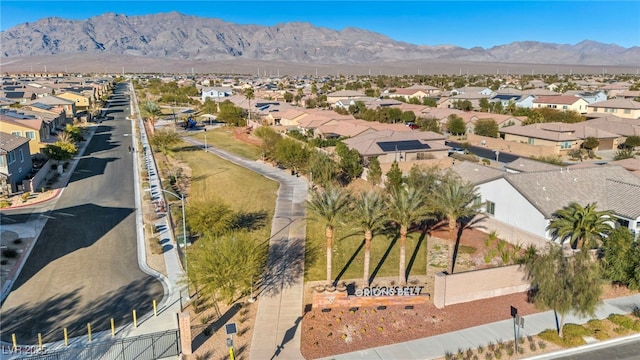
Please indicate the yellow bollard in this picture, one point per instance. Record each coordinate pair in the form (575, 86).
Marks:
(40, 341)
(231, 355)
(66, 337)
(155, 309)
(15, 343)
(135, 319)
(113, 327)
(89, 331)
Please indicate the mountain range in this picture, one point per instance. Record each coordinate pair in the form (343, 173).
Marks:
(182, 37)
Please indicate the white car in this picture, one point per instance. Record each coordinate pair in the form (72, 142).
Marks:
(456, 150)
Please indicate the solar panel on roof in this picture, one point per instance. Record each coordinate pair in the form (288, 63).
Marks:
(42, 106)
(19, 115)
(405, 145)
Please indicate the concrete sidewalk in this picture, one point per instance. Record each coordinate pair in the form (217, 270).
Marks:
(277, 329)
(437, 346)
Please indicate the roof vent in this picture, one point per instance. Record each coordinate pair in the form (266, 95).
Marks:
(575, 179)
(544, 188)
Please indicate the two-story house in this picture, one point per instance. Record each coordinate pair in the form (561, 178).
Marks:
(562, 103)
(15, 162)
(624, 108)
(216, 93)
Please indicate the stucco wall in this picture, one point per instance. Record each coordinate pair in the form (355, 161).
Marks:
(512, 208)
(511, 146)
(479, 284)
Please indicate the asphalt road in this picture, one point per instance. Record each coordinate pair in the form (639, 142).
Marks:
(487, 153)
(619, 351)
(84, 268)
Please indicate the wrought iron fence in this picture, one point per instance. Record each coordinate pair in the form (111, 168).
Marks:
(144, 347)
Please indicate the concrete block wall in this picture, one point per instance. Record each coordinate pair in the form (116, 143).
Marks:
(478, 284)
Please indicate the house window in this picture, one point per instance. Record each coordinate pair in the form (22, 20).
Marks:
(627, 111)
(530, 141)
(30, 135)
(16, 133)
(565, 145)
(614, 110)
(595, 109)
(623, 222)
(3, 162)
(565, 107)
(11, 157)
(491, 208)
(21, 155)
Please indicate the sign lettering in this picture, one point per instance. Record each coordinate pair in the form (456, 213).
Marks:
(389, 291)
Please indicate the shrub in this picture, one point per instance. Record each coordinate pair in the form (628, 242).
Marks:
(622, 321)
(575, 330)
(598, 329)
(4, 203)
(25, 196)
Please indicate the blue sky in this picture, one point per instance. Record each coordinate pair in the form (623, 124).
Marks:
(462, 23)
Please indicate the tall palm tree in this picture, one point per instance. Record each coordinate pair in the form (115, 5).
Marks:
(406, 207)
(329, 206)
(249, 94)
(151, 111)
(583, 227)
(368, 212)
(455, 201)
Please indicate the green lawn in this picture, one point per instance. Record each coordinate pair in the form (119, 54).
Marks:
(222, 137)
(247, 191)
(348, 254)
(243, 190)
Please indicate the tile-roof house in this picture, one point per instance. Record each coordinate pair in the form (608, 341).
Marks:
(343, 94)
(389, 146)
(561, 102)
(522, 164)
(624, 108)
(561, 136)
(69, 106)
(614, 124)
(15, 162)
(527, 200)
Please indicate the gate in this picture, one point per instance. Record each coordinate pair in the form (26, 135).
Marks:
(144, 347)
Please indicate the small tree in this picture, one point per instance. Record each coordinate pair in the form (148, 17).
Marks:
(487, 127)
(565, 284)
(456, 125)
(60, 151)
(394, 177)
(626, 153)
(620, 257)
(590, 143)
(163, 139)
(224, 267)
(375, 172)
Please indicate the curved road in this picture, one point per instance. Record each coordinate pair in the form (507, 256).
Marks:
(84, 267)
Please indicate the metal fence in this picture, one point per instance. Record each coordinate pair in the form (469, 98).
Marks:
(145, 347)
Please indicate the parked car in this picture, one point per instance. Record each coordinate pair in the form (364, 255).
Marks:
(412, 125)
(456, 150)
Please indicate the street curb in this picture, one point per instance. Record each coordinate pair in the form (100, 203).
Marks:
(583, 348)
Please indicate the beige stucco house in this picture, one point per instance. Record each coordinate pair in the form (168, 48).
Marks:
(562, 103)
(624, 108)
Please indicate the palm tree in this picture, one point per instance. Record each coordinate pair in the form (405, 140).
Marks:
(329, 206)
(406, 207)
(455, 200)
(368, 213)
(249, 94)
(151, 110)
(583, 227)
